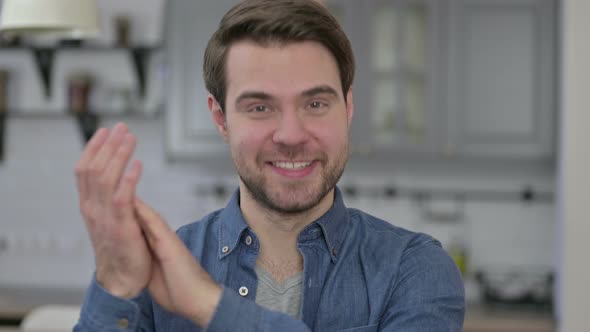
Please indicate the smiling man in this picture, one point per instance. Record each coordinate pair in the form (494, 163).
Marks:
(285, 254)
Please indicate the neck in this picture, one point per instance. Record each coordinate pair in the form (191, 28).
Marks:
(277, 232)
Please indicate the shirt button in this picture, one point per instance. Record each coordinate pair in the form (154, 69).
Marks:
(248, 240)
(123, 323)
(225, 249)
(243, 291)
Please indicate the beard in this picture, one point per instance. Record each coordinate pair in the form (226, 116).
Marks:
(291, 198)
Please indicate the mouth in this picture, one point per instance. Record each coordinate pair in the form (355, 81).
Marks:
(291, 165)
(293, 169)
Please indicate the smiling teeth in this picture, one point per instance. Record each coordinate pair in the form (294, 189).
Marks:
(291, 166)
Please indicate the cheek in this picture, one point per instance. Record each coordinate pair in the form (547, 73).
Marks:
(247, 138)
(330, 133)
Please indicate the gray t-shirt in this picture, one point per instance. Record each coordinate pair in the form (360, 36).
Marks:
(284, 297)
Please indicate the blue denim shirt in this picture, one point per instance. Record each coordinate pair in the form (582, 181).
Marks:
(360, 274)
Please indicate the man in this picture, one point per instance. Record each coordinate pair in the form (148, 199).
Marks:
(285, 254)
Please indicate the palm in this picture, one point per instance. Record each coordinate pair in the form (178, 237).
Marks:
(106, 188)
(128, 239)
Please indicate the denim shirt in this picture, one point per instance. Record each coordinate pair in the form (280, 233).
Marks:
(360, 274)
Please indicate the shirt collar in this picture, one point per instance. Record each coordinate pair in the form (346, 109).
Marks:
(333, 225)
(232, 225)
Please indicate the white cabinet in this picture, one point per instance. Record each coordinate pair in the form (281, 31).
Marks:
(190, 134)
(459, 78)
(501, 78)
(395, 85)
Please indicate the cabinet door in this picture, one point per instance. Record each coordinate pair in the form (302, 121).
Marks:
(190, 130)
(402, 69)
(352, 16)
(502, 73)
(395, 44)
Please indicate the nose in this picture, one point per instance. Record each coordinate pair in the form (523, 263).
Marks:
(290, 129)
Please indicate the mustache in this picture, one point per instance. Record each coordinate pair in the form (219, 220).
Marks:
(285, 152)
(292, 155)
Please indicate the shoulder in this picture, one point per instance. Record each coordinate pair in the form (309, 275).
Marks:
(414, 264)
(396, 251)
(383, 234)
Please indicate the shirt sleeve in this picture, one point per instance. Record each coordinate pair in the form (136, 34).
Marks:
(102, 311)
(235, 313)
(428, 294)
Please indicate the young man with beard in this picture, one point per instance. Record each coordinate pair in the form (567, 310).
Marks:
(285, 254)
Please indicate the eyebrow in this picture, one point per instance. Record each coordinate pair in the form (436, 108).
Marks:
(253, 95)
(307, 93)
(320, 90)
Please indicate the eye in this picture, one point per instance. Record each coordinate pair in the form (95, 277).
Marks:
(259, 109)
(317, 105)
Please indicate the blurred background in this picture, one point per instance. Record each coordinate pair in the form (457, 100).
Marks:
(457, 133)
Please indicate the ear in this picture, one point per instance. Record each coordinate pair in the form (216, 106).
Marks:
(349, 106)
(218, 116)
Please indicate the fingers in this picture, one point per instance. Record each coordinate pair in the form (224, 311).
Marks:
(88, 154)
(115, 168)
(96, 172)
(157, 287)
(162, 240)
(124, 195)
(151, 222)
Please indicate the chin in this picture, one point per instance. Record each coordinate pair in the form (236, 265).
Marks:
(290, 199)
(289, 208)
(297, 203)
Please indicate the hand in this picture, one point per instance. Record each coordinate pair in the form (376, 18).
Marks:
(107, 192)
(179, 283)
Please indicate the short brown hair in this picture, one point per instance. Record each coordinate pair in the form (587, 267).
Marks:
(275, 21)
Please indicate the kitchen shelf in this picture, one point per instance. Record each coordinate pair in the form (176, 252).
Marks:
(44, 58)
(45, 115)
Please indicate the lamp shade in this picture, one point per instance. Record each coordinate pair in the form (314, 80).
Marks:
(67, 18)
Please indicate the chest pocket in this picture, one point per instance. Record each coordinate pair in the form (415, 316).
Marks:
(368, 328)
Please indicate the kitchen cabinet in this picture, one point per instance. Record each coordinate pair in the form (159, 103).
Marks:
(190, 133)
(436, 78)
(501, 78)
(395, 43)
(458, 78)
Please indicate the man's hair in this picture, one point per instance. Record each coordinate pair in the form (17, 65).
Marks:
(275, 21)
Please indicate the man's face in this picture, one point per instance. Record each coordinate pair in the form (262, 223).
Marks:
(286, 122)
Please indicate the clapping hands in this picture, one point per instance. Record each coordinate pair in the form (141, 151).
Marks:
(134, 247)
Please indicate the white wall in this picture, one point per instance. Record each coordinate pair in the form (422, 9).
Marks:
(574, 167)
(46, 242)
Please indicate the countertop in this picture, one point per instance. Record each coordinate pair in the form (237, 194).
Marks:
(482, 319)
(15, 303)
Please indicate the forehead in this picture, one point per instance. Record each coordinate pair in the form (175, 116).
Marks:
(279, 69)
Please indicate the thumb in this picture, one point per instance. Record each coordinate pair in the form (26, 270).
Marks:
(160, 237)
